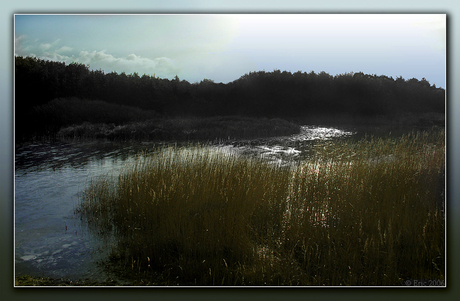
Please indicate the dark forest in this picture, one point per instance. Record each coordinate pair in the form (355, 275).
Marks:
(47, 92)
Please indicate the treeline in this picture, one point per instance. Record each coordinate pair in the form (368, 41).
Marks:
(257, 94)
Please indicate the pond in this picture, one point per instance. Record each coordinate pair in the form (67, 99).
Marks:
(51, 241)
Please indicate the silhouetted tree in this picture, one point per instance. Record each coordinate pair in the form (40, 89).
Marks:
(268, 94)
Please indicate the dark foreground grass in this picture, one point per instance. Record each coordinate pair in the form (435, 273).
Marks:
(361, 213)
(27, 280)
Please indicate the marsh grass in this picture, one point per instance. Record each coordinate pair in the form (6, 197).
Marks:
(360, 213)
(192, 210)
(374, 217)
(182, 129)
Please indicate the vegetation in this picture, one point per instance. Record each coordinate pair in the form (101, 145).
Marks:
(73, 118)
(361, 213)
(27, 280)
(59, 113)
(183, 129)
(351, 97)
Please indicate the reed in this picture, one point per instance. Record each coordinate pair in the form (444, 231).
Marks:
(360, 213)
(190, 208)
(371, 212)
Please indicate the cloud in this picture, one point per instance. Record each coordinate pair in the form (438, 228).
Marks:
(20, 45)
(161, 66)
(164, 65)
(19, 40)
(95, 56)
(64, 49)
(47, 46)
(44, 46)
(132, 57)
(54, 56)
(24, 46)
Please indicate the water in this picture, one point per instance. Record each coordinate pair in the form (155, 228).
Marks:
(286, 149)
(51, 241)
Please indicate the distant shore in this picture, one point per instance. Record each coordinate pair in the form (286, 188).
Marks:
(182, 129)
(80, 119)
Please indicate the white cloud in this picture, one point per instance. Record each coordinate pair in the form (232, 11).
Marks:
(44, 46)
(64, 49)
(95, 56)
(132, 57)
(53, 56)
(161, 66)
(19, 46)
(19, 40)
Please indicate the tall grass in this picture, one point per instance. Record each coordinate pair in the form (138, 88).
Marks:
(190, 211)
(361, 213)
(372, 217)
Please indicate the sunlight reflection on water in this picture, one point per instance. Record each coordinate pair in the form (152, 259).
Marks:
(286, 149)
(309, 133)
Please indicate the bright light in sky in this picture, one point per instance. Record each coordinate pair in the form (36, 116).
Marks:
(223, 47)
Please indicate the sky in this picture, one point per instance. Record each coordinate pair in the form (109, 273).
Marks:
(223, 47)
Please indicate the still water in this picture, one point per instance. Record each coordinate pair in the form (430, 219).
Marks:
(51, 241)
